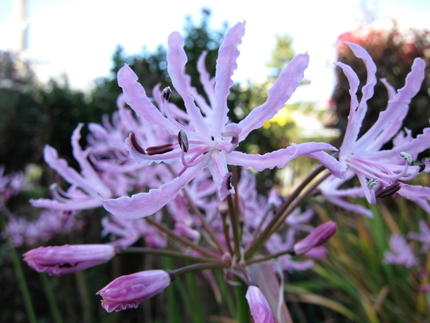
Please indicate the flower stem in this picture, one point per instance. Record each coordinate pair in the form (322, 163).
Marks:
(186, 242)
(162, 252)
(206, 226)
(196, 267)
(51, 298)
(275, 222)
(276, 255)
(243, 313)
(235, 227)
(18, 270)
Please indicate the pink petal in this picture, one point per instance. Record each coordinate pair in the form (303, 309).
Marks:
(144, 204)
(280, 92)
(276, 158)
(225, 66)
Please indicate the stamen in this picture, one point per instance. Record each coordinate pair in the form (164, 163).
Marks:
(234, 136)
(183, 140)
(372, 182)
(157, 150)
(388, 191)
(136, 146)
(421, 167)
(229, 182)
(407, 157)
(165, 94)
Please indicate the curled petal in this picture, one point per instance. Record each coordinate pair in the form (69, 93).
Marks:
(279, 93)
(144, 204)
(225, 66)
(276, 158)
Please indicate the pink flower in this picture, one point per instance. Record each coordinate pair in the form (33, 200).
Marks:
(316, 238)
(381, 173)
(402, 253)
(67, 259)
(130, 290)
(208, 140)
(260, 308)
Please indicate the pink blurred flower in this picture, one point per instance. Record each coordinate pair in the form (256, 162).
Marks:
(60, 260)
(401, 254)
(130, 290)
(260, 308)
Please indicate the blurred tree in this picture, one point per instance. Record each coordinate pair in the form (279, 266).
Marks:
(19, 123)
(282, 54)
(393, 52)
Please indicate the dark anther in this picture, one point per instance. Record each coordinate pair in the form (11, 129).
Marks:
(212, 138)
(183, 140)
(235, 139)
(388, 191)
(421, 167)
(229, 182)
(166, 93)
(136, 145)
(157, 150)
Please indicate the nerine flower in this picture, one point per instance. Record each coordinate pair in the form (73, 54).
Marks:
(209, 139)
(381, 172)
(130, 290)
(61, 260)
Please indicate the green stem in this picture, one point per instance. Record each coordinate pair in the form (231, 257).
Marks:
(51, 299)
(173, 314)
(18, 270)
(196, 313)
(226, 293)
(243, 313)
(235, 227)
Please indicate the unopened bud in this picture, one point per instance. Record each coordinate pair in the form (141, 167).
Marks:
(316, 238)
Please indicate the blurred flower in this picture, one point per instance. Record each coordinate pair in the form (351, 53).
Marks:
(260, 309)
(424, 236)
(402, 253)
(67, 259)
(130, 290)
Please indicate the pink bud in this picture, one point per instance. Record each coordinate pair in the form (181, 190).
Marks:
(260, 309)
(130, 290)
(67, 259)
(316, 238)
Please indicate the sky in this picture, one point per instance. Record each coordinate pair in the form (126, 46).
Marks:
(78, 37)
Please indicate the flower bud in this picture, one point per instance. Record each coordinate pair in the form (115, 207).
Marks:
(130, 290)
(316, 238)
(67, 259)
(260, 308)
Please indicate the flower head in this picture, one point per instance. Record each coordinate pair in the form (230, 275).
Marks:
(208, 139)
(67, 259)
(130, 290)
(381, 173)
